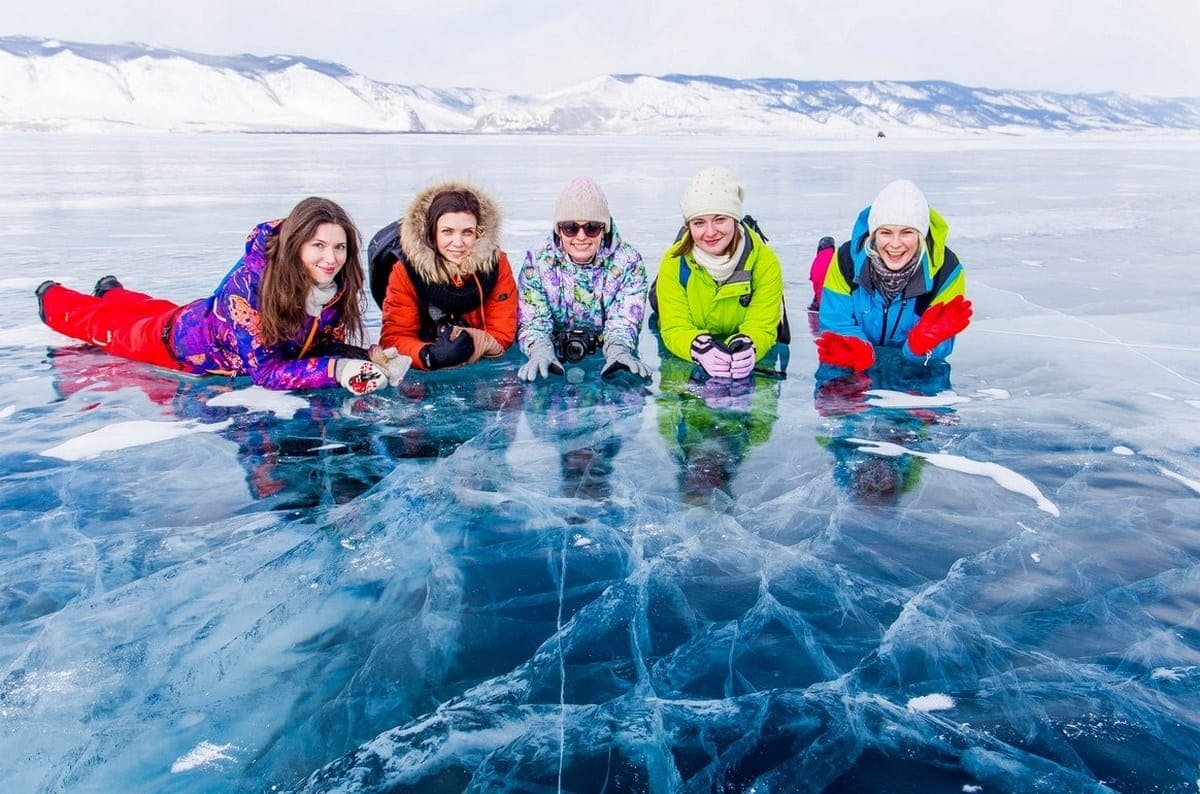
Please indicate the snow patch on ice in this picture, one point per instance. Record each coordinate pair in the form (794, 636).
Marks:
(1190, 483)
(995, 394)
(886, 398)
(934, 702)
(1119, 450)
(582, 541)
(124, 435)
(204, 754)
(1193, 403)
(1033, 262)
(971, 788)
(7, 411)
(256, 398)
(1169, 673)
(1033, 555)
(1005, 478)
(1161, 396)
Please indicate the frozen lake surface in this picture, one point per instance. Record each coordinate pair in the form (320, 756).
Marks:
(977, 579)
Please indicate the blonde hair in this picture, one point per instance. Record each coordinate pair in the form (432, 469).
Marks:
(868, 247)
(685, 242)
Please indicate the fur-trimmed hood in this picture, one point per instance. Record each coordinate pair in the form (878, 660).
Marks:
(424, 260)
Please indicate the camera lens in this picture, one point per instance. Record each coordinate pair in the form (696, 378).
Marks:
(574, 350)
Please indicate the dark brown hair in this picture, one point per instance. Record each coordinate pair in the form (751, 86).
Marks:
(285, 283)
(445, 202)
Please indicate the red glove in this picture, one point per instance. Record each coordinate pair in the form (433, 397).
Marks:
(845, 351)
(940, 322)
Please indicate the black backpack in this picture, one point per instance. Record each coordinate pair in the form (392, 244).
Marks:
(382, 254)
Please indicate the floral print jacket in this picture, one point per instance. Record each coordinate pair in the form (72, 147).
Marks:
(607, 296)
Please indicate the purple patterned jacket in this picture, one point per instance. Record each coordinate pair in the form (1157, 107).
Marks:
(219, 335)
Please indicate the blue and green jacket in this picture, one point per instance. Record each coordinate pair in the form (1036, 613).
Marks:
(854, 307)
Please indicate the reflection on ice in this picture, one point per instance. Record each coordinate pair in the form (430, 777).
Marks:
(1005, 478)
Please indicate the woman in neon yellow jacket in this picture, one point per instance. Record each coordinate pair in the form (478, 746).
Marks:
(720, 288)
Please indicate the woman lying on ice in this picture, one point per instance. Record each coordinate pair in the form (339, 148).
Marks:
(582, 291)
(894, 284)
(720, 288)
(283, 315)
(446, 289)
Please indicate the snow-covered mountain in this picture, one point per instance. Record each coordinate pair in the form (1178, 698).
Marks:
(54, 85)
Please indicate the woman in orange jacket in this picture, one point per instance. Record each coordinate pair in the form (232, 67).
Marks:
(446, 289)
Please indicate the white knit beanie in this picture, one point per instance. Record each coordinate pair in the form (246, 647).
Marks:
(900, 203)
(713, 191)
(582, 200)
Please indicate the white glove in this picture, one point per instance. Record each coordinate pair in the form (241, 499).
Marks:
(394, 364)
(358, 376)
(618, 356)
(542, 361)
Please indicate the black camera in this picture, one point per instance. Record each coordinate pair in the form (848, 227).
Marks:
(575, 345)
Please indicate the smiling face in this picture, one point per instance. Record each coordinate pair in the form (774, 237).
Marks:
(896, 245)
(712, 233)
(457, 233)
(581, 239)
(324, 255)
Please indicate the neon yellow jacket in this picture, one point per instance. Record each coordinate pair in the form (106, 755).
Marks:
(701, 307)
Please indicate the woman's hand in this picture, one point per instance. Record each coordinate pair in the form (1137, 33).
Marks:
(940, 322)
(394, 364)
(359, 376)
(742, 356)
(845, 351)
(452, 347)
(714, 358)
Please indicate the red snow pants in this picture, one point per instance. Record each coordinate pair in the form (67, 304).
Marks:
(122, 322)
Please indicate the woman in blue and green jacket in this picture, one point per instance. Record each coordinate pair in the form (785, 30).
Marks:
(720, 288)
(895, 284)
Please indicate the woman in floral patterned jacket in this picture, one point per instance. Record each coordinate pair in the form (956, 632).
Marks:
(283, 315)
(582, 290)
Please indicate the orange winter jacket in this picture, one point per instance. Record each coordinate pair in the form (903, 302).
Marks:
(403, 311)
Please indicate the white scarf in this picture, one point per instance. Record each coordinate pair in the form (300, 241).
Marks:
(719, 267)
(317, 297)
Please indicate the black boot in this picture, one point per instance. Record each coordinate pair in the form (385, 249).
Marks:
(41, 291)
(105, 284)
(826, 242)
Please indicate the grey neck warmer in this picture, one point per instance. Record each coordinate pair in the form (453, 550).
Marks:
(892, 282)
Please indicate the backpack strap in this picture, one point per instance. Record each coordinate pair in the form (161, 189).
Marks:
(945, 273)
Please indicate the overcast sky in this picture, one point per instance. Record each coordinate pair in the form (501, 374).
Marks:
(529, 46)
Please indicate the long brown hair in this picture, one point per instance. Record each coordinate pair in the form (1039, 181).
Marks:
(285, 283)
(446, 202)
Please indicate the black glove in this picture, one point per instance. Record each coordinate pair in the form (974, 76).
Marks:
(452, 347)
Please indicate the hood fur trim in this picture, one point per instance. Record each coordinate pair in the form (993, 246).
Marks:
(424, 259)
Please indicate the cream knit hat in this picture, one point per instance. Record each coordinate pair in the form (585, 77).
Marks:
(713, 191)
(900, 203)
(582, 200)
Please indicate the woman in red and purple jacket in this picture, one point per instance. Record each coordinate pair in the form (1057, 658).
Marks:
(283, 315)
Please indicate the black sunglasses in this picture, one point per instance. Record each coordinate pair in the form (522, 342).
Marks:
(571, 228)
